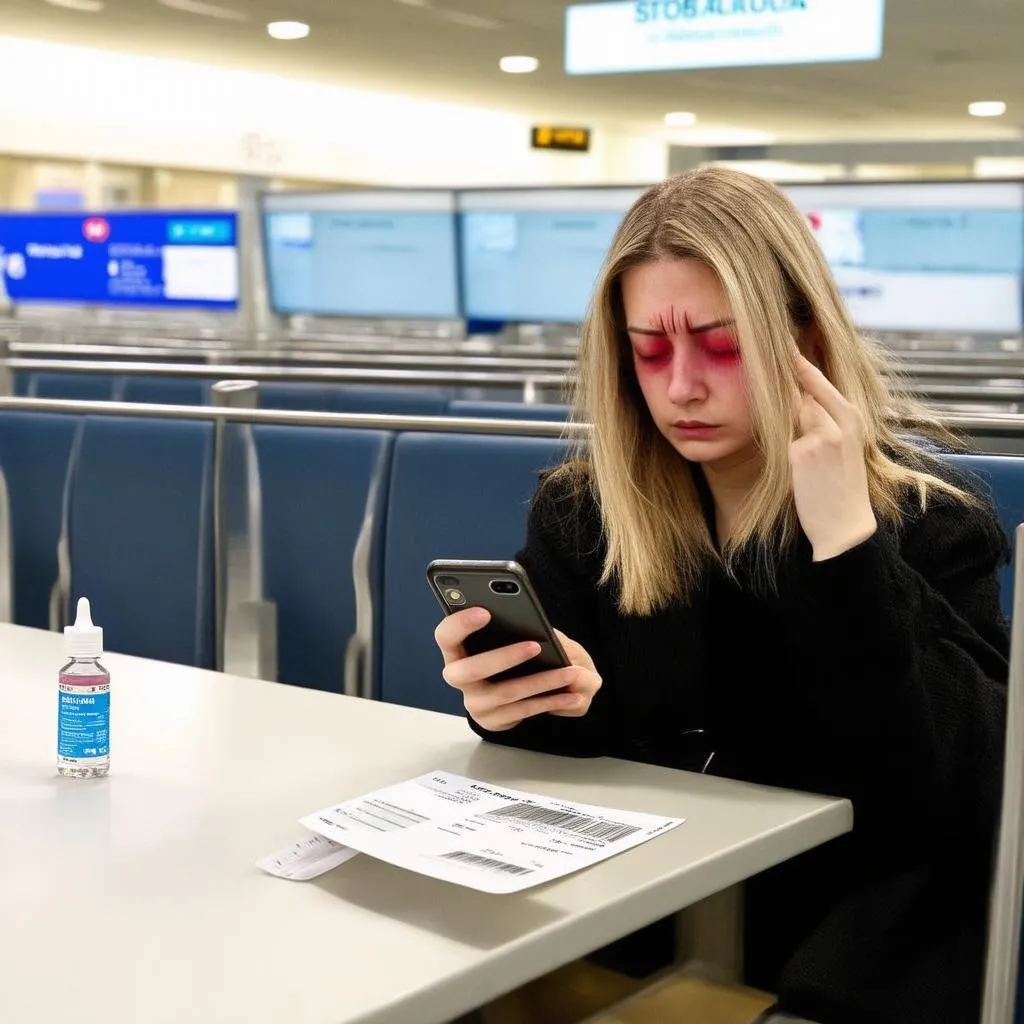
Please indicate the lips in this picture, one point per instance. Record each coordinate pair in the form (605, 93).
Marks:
(693, 425)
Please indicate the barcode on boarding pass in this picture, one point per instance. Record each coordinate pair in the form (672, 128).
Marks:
(581, 824)
(464, 857)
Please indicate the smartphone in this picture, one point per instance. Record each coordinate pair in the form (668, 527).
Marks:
(504, 589)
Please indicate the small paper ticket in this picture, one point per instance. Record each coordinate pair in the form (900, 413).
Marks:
(309, 857)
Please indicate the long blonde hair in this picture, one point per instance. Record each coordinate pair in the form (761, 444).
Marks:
(778, 286)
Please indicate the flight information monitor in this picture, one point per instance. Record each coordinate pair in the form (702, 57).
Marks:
(121, 259)
(363, 253)
(923, 256)
(533, 255)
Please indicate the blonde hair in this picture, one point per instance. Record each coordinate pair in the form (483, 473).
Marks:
(778, 286)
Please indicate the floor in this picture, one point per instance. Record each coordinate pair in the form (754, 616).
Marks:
(582, 992)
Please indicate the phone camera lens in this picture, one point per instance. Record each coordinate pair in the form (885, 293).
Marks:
(448, 581)
(506, 587)
(455, 597)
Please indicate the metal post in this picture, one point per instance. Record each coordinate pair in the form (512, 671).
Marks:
(246, 624)
(257, 321)
(6, 375)
(1003, 960)
(6, 555)
(709, 938)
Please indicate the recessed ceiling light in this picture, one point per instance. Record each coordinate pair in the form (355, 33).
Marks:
(85, 6)
(518, 65)
(288, 30)
(680, 119)
(986, 108)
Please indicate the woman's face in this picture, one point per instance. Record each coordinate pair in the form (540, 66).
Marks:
(687, 360)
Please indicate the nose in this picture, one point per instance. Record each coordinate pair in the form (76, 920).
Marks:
(686, 383)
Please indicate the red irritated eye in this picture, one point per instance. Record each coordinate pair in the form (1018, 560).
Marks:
(720, 345)
(652, 350)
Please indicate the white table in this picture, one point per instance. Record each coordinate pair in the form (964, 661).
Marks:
(134, 900)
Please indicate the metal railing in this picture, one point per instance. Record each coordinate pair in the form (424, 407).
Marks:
(529, 382)
(389, 353)
(1009, 425)
(1001, 390)
(384, 358)
(369, 421)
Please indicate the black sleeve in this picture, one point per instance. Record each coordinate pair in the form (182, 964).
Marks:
(560, 557)
(907, 650)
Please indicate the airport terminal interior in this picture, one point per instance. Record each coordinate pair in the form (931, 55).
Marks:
(301, 306)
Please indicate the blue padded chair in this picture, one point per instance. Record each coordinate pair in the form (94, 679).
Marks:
(22, 383)
(140, 535)
(323, 491)
(35, 454)
(365, 398)
(295, 397)
(452, 496)
(167, 390)
(509, 410)
(1004, 477)
(82, 387)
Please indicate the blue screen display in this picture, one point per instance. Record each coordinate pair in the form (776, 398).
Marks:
(535, 266)
(943, 240)
(363, 263)
(134, 259)
(923, 256)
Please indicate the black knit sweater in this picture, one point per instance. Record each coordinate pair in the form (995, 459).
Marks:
(878, 675)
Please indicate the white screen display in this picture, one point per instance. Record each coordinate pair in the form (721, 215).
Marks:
(534, 256)
(663, 35)
(923, 256)
(363, 254)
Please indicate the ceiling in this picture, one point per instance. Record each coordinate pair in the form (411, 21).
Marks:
(938, 56)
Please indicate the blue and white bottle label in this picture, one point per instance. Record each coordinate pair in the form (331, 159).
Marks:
(83, 723)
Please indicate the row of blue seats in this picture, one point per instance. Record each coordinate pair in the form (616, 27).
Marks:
(136, 500)
(396, 401)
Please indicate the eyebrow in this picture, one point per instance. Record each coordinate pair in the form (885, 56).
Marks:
(698, 329)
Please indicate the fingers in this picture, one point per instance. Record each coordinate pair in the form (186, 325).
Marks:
(509, 691)
(502, 705)
(583, 686)
(453, 629)
(813, 418)
(576, 653)
(822, 390)
(474, 668)
(507, 716)
(566, 692)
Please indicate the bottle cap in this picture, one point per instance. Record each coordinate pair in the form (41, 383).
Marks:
(83, 639)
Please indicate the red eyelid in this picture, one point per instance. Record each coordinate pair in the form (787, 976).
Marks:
(652, 347)
(719, 342)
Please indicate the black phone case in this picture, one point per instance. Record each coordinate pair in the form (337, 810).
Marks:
(514, 617)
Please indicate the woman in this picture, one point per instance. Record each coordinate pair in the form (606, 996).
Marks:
(748, 564)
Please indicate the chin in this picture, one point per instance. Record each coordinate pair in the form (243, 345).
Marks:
(704, 451)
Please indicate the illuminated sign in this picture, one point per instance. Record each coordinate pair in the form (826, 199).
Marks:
(575, 139)
(135, 259)
(665, 35)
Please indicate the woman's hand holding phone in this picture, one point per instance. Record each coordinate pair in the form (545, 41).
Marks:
(500, 706)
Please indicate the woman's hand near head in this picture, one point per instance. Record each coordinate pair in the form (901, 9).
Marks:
(503, 705)
(830, 477)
